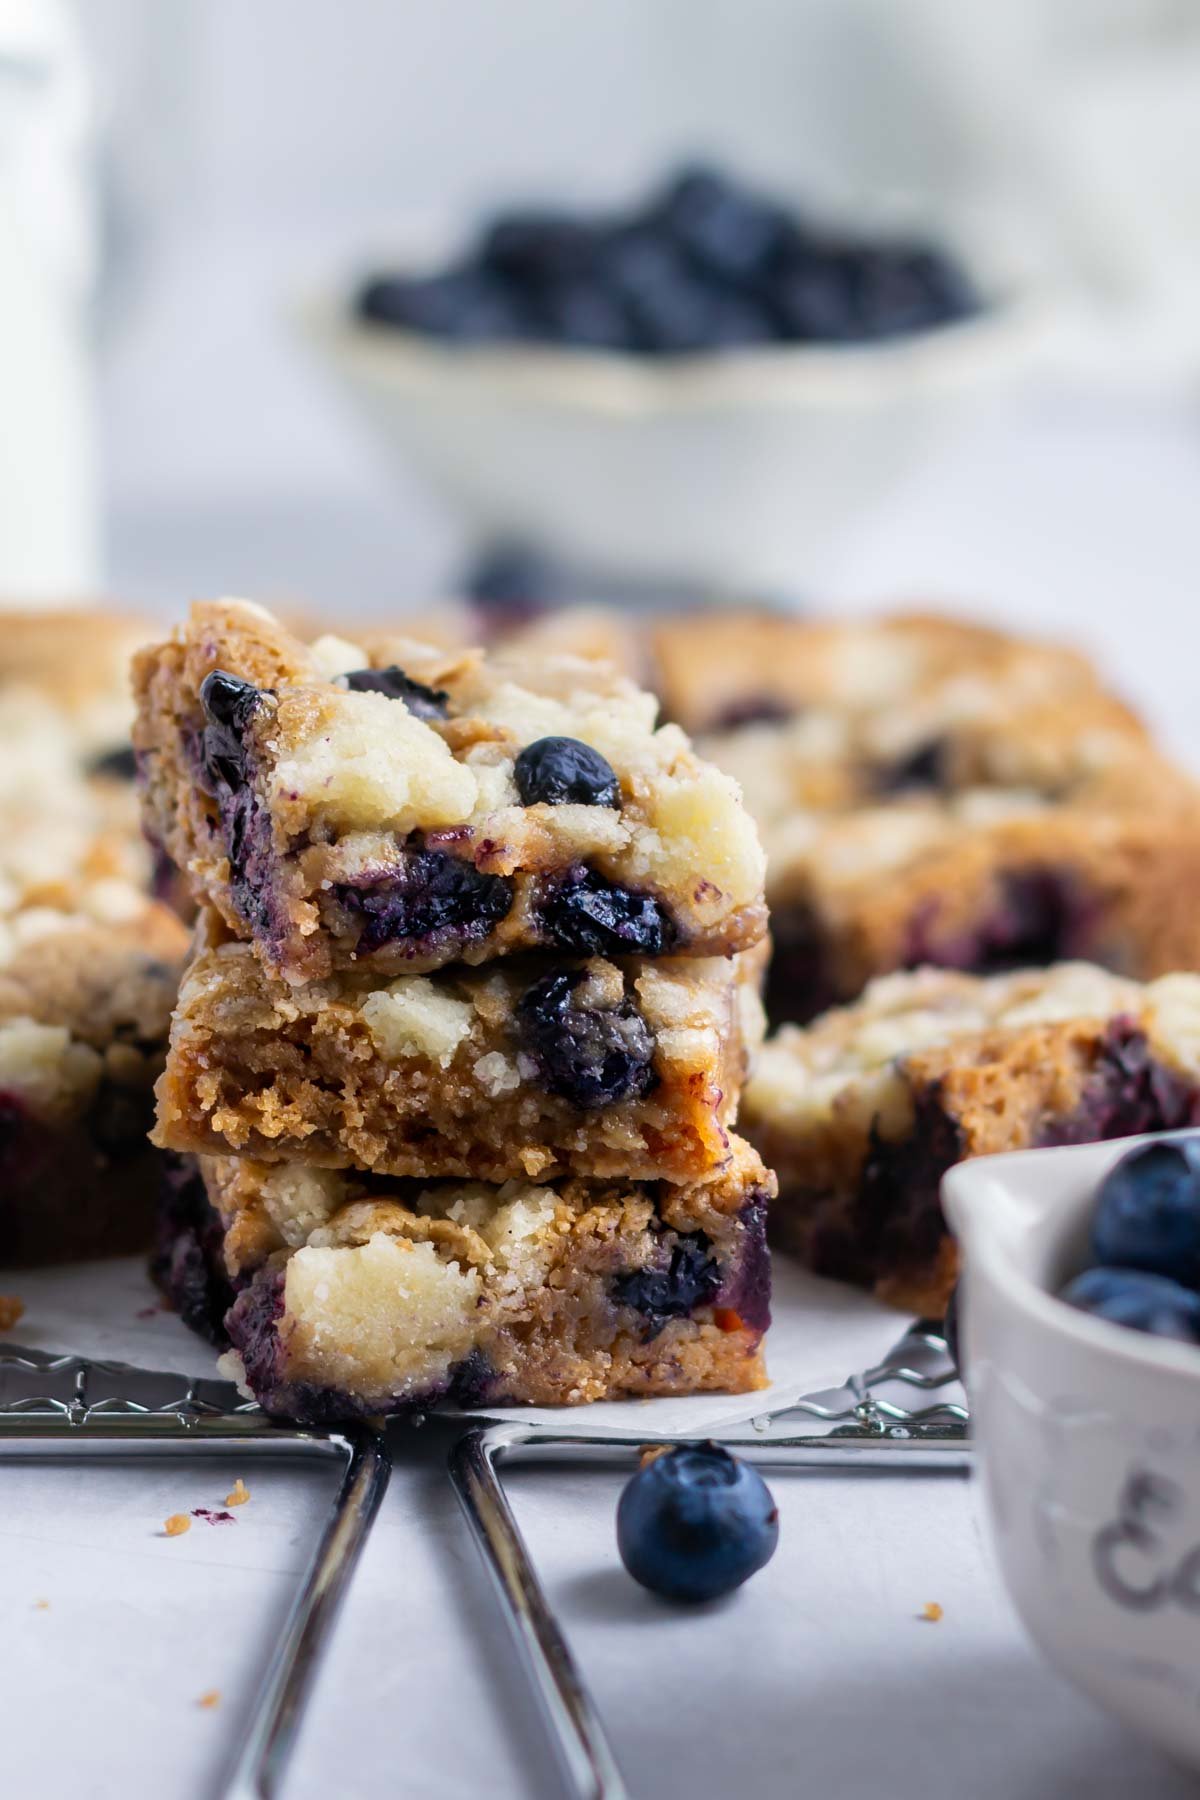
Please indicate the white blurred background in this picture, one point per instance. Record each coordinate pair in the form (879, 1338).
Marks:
(174, 174)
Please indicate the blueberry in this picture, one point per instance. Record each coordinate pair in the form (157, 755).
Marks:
(120, 763)
(1148, 1212)
(423, 702)
(812, 303)
(560, 771)
(696, 1523)
(1142, 1301)
(465, 305)
(514, 579)
(588, 916)
(588, 1055)
(533, 247)
(429, 895)
(722, 226)
(900, 289)
(583, 313)
(690, 1277)
(229, 705)
(923, 767)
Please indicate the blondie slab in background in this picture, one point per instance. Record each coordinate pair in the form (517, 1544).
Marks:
(932, 792)
(519, 1068)
(342, 1294)
(348, 809)
(862, 1113)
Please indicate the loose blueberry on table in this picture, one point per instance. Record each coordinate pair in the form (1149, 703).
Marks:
(695, 1522)
(705, 264)
(1146, 1244)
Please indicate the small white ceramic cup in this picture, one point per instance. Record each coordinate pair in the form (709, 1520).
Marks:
(1089, 1444)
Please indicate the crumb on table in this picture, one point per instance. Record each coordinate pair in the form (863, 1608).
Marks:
(238, 1494)
(177, 1524)
(932, 1611)
(11, 1310)
(210, 1699)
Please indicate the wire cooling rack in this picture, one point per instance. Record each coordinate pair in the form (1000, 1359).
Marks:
(905, 1414)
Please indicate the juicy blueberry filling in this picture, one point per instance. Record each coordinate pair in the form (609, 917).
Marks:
(1128, 1092)
(428, 897)
(1041, 917)
(590, 1056)
(799, 985)
(589, 916)
(187, 1263)
(924, 767)
(686, 1276)
(224, 764)
(229, 705)
(422, 702)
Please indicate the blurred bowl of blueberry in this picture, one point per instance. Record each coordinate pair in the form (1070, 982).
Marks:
(1079, 1339)
(708, 383)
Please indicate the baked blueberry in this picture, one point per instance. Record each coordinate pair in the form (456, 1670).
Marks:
(423, 702)
(429, 895)
(588, 916)
(591, 1056)
(1148, 1212)
(1133, 1297)
(923, 767)
(561, 771)
(229, 704)
(695, 1523)
(120, 763)
(690, 1277)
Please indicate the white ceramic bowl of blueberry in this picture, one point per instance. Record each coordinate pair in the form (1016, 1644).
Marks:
(1088, 1430)
(665, 403)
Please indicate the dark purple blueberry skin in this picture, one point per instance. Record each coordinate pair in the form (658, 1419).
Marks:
(1043, 916)
(430, 899)
(1139, 1300)
(120, 763)
(696, 1523)
(747, 1286)
(229, 705)
(423, 702)
(684, 1275)
(1148, 1212)
(592, 1057)
(924, 767)
(561, 771)
(188, 1263)
(588, 916)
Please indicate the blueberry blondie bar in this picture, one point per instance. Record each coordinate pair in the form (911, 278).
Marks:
(935, 792)
(519, 1068)
(862, 1113)
(449, 806)
(344, 1294)
(85, 1009)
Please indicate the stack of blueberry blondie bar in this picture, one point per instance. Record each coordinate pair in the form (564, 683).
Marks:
(456, 1062)
(89, 963)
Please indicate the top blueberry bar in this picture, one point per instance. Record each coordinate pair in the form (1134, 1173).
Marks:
(403, 806)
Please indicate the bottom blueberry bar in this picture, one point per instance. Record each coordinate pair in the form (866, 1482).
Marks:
(340, 1294)
(85, 1009)
(864, 1111)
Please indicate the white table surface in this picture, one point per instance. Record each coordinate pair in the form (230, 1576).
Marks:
(819, 1678)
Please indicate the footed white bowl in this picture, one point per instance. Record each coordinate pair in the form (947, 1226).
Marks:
(740, 467)
(1089, 1444)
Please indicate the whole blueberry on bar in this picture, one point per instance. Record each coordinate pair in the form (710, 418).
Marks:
(229, 704)
(1142, 1301)
(1148, 1212)
(695, 1523)
(690, 1277)
(560, 771)
(422, 702)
